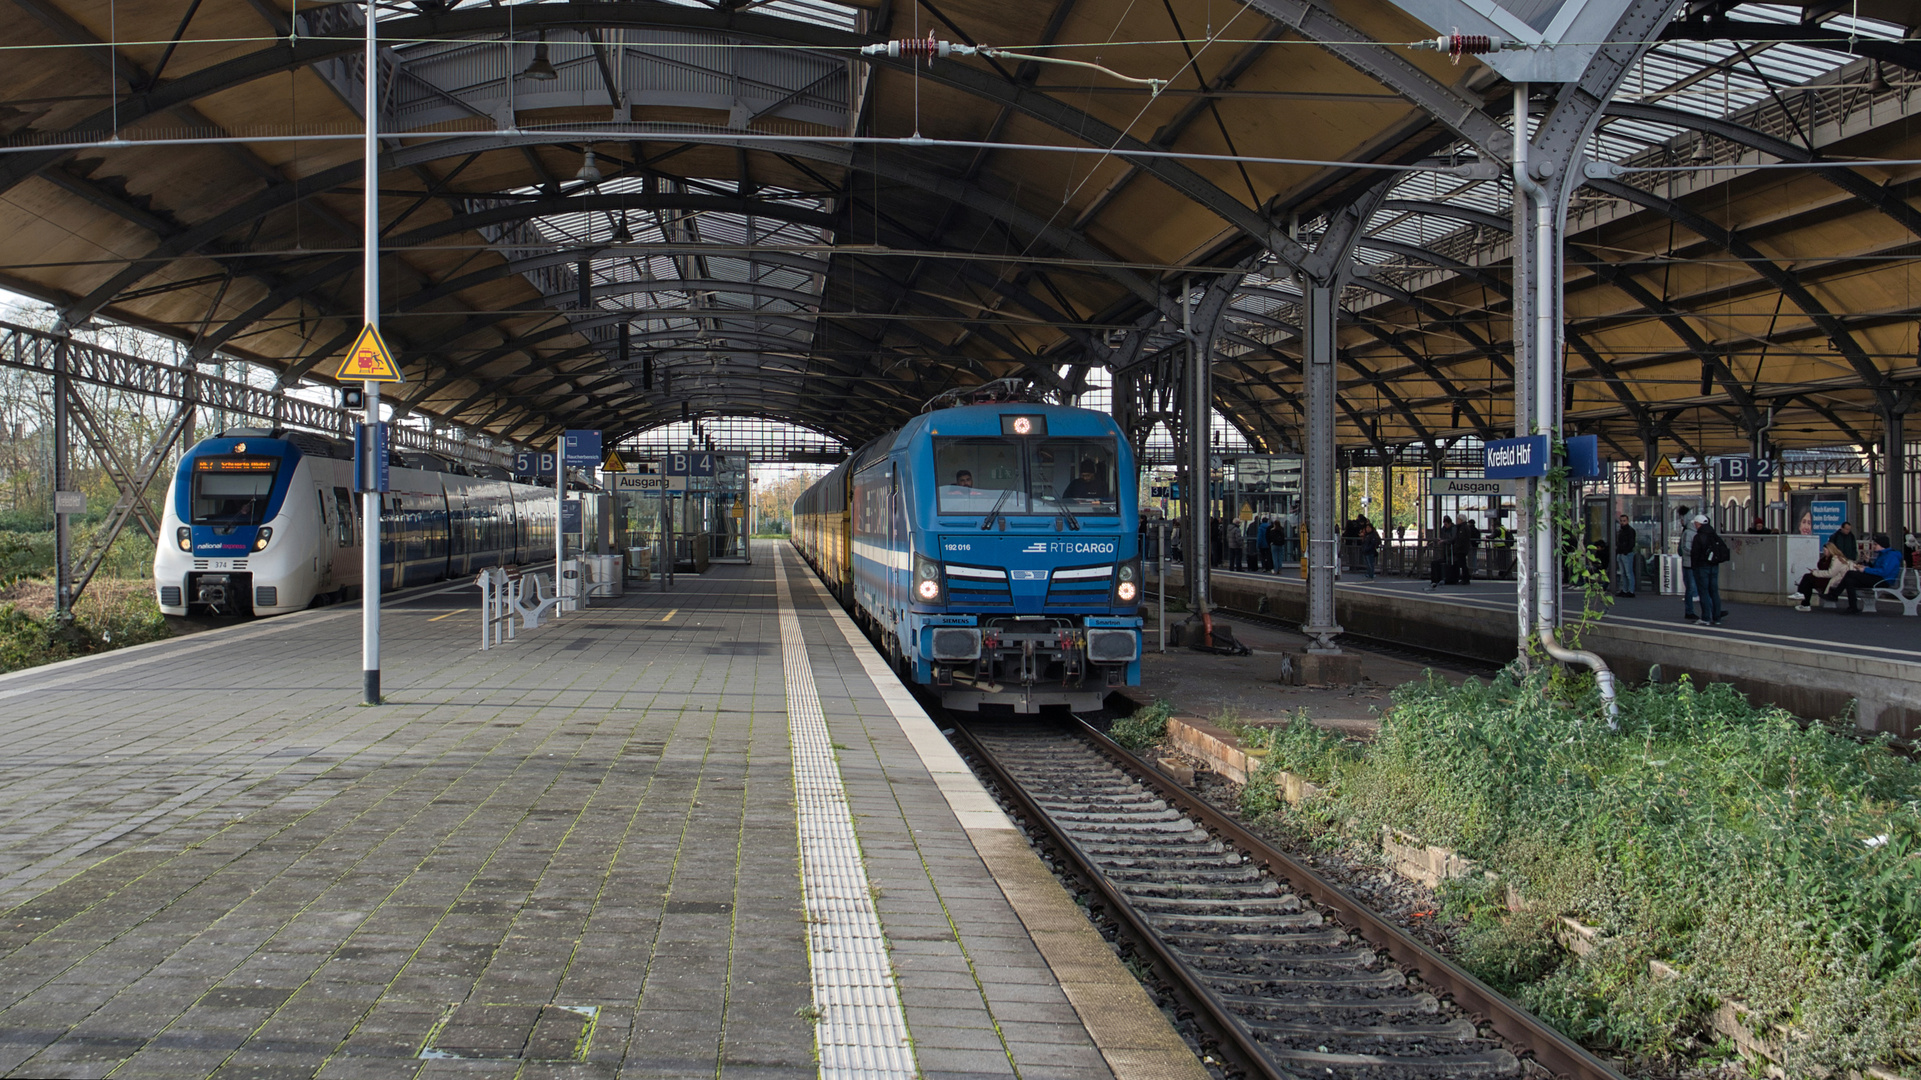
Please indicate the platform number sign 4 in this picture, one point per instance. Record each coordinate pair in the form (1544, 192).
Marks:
(689, 463)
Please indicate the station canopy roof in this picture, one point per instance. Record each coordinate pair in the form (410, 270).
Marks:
(626, 215)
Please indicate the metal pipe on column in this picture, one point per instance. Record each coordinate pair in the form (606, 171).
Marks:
(1318, 534)
(62, 527)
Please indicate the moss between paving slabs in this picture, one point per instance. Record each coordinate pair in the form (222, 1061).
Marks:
(1765, 862)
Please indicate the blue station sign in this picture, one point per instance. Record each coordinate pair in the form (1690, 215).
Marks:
(581, 449)
(1512, 458)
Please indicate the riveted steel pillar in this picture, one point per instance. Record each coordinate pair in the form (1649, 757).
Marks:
(1318, 533)
(1199, 411)
(1896, 455)
(62, 481)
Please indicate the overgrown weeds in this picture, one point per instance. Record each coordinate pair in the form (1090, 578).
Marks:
(1146, 727)
(111, 614)
(1757, 859)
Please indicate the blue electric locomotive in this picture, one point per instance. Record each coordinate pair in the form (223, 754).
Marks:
(992, 551)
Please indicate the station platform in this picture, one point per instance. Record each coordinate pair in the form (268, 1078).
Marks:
(701, 832)
(1817, 664)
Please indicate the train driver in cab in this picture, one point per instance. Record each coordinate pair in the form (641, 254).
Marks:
(1087, 486)
(963, 478)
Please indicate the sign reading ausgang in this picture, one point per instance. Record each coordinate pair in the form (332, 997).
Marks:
(1462, 485)
(1509, 458)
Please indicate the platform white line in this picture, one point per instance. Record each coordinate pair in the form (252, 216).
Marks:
(862, 1030)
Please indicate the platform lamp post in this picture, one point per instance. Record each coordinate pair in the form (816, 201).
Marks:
(370, 316)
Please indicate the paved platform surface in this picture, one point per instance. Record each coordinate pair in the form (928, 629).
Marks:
(575, 856)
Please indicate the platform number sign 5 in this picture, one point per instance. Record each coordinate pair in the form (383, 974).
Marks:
(530, 464)
(689, 463)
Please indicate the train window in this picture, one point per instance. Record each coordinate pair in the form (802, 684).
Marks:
(221, 498)
(344, 517)
(1076, 472)
(979, 474)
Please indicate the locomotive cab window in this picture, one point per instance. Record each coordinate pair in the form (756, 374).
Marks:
(1076, 473)
(222, 497)
(976, 475)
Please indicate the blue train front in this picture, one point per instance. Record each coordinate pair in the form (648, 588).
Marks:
(992, 550)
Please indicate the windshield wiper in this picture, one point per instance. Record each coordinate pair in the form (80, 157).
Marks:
(1073, 522)
(988, 521)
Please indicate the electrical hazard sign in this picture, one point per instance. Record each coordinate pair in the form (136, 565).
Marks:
(1665, 469)
(369, 360)
(613, 463)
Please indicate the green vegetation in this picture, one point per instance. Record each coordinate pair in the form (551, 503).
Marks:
(1763, 861)
(111, 615)
(1143, 729)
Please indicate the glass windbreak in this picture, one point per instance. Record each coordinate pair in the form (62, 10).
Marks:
(975, 475)
(1075, 473)
(231, 498)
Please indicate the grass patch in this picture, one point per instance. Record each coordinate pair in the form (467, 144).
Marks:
(113, 613)
(1146, 727)
(1767, 862)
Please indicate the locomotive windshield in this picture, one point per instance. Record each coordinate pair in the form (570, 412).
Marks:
(1077, 473)
(1026, 476)
(231, 498)
(977, 475)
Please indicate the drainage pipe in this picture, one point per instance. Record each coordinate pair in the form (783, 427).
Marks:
(1543, 583)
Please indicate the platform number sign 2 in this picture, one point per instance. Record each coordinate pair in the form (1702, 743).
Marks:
(1741, 468)
(689, 463)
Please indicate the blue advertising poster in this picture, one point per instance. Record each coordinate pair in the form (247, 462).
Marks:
(570, 516)
(581, 449)
(1828, 517)
(1514, 458)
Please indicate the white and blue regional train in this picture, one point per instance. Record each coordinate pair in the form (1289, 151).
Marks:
(992, 550)
(266, 522)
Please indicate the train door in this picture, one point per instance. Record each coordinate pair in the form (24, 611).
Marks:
(346, 539)
(323, 560)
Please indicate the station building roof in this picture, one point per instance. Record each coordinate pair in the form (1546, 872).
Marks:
(773, 224)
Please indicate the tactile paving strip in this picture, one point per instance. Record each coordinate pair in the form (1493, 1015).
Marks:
(862, 1030)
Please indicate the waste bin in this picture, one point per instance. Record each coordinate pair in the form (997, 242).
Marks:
(606, 572)
(640, 563)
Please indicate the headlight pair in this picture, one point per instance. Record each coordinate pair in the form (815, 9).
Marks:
(929, 588)
(260, 538)
(184, 537)
(1127, 583)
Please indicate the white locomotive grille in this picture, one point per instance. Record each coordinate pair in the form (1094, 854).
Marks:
(1080, 586)
(978, 586)
(170, 595)
(200, 564)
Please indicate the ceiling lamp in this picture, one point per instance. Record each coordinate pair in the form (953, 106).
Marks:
(589, 173)
(622, 234)
(541, 68)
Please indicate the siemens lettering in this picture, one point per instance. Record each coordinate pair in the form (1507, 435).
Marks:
(1509, 458)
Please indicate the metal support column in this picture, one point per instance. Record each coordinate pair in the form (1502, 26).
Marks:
(1200, 412)
(62, 528)
(1318, 533)
(1896, 488)
(370, 500)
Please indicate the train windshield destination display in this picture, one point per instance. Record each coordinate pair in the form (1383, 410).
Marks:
(236, 464)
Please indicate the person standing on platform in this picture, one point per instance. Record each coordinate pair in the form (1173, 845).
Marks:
(1684, 547)
(1624, 577)
(1760, 528)
(1467, 541)
(1707, 551)
(1370, 549)
(1263, 539)
(1845, 539)
(1236, 542)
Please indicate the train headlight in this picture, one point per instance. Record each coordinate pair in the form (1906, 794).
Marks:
(260, 538)
(184, 537)
(1125, 590)
(1127, 583)
(928, 586)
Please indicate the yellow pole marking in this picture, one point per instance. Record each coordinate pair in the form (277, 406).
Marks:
(670, 615)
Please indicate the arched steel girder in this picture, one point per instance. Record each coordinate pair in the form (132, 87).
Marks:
(1447, 210)
(304, 52)
(1810, 35)
(1849, 181)
(1676, 321)
(1779, 276)
(1293, 364)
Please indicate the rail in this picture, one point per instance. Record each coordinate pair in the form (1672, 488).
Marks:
(1520, 1030)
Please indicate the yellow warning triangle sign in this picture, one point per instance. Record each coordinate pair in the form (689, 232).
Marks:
(1665, 470)
(613, 463)
(369, 360)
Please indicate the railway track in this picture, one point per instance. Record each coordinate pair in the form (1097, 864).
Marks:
(1292, 976)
